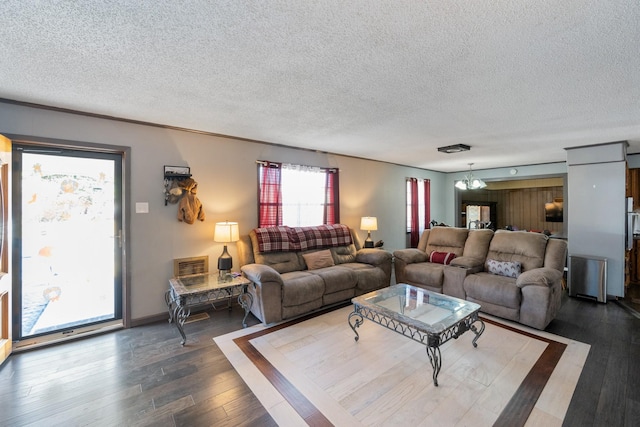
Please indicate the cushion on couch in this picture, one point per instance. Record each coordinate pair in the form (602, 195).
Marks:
(498, 290)
(441, 257)
(524, 247)
(282, 262)
(300, 287)
(318, 259)
(337, 278)
(368, 277)
(342, 254)
(504, 268)
(428, 275)
(477, 243)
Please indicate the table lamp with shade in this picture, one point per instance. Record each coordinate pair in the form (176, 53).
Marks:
(368, 223)
(225, 232)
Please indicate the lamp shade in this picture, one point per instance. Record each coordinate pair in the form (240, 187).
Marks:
(469, 182)
(369, 223)
(226, 232)
(461, 185)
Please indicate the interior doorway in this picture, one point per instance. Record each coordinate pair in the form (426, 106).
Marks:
(479, 214)
(67, 248)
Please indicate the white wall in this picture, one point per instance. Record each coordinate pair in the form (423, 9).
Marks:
(597, 218)
(226, 173)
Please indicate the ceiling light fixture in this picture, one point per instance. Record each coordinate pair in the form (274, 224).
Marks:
(454, 148)
(469, 182)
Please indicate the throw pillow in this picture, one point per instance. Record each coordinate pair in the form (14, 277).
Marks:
(441, 257)
(504, 268)
(318, 259)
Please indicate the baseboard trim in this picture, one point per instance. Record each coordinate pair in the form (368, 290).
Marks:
(141, 321)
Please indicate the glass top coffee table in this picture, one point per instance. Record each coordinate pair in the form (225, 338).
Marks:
(427, 317)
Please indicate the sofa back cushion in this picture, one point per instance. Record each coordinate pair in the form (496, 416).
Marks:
(556, 254)
(282, 262)
(344, 254)
(245, 250)
(424, 238)
(477, 244)
(524, 247)
(447, 239)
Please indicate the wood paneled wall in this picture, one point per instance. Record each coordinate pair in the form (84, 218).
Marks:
(524, 208)
(521, 207)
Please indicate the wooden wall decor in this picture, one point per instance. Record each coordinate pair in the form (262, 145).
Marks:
(632, 276)
(4, 211)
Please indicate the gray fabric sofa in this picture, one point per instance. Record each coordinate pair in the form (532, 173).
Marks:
(532, 298)
(283, 285)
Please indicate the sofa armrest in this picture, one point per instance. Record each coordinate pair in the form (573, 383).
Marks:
(474, 265)
(541, 296)
(453, 281)
(405, 257)
(266, 292)
(260, 273)
(376, 257)
(539, 277)
(411, 255)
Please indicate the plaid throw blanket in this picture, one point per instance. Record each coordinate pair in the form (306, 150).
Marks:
(275, 239)
(322, 236)
(291, 239)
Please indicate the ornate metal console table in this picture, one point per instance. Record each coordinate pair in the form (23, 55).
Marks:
(427, 317)
(186, 292)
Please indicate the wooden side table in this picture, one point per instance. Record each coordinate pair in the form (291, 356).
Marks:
(186, 292)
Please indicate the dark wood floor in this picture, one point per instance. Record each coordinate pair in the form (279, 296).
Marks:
(608, 392)
(142, 376)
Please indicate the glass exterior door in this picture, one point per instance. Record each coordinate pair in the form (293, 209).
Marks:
(68, 254)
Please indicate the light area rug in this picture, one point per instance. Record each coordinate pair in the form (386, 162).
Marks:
(386, 378)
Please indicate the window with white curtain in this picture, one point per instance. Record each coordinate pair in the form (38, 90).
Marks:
(303, 195)
(297, 195)
(421, 205)
(418, 208)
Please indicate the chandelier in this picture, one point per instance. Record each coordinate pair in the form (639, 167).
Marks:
(469, 182)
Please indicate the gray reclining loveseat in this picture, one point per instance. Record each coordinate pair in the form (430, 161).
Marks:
(296, 270)
(515, 275)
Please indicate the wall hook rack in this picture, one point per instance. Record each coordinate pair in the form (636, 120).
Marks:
(172, 175)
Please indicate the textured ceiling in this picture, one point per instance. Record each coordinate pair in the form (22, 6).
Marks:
(518, 81)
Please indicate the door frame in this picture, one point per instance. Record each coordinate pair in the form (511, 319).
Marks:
(6, 316)
(125, 153)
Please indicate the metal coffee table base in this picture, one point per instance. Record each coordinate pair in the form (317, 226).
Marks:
(180, 307)
(432, 341)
